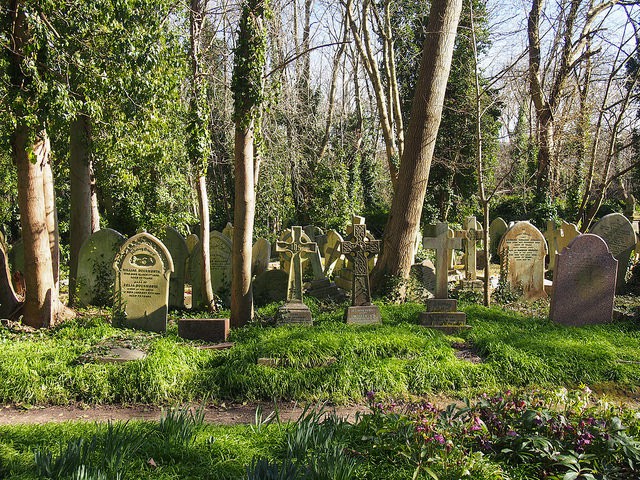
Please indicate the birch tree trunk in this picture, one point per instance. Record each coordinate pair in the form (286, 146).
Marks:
(426, 113)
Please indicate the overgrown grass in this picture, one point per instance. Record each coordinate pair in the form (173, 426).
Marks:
(330, 361)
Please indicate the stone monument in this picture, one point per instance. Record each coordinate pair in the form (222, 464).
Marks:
(220, 265)
(584, 283)
(358, 247)
(177, 246)
(473, 232)
(616, 230)
(442, 313)
(553, 237)
(95, 267)
(143, 266)
(260, 256)
(497, 229)
(294, 310)
(522, 251)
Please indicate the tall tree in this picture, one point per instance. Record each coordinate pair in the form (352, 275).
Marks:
(248, 92)
(426, 113)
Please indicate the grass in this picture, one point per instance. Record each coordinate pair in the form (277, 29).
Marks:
(331, 361)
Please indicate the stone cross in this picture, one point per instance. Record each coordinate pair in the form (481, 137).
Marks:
(359, 248)
(299, 245)
(443, 241)
(473, 232)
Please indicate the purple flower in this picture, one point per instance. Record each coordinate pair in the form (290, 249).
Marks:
(439, 438)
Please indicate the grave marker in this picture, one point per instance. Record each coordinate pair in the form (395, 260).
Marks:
(584, 283)
(522, 252)
(96, 276)
(616, 230)
(260, 256)
(497, 229)
(358, 247)
(474, 232)
(569, 232)
(333, 253)
(296, 249)
(553, 236)
(143, 266)
(177, 246)
(220, 265)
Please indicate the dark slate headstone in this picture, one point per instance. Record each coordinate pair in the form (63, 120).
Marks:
(207, 329)
(143, 266)
(584, 283)
(177, 246)
(270, 286)
(95, 267)
(616, 230)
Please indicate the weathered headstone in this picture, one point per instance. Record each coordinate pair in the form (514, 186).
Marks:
(358, 247)
(344, 276)
(522, 252)
(270, 286)
(474, 233)
(442, 312)
(227, 231)
(192, 241)
(553, 237)
(584, 283)
(295, 311)
(260, 256)
(95, 267)
(333, 253)
(8, 300)
(220, 265)
(497, 229)
(569, 232)
(616, 230)
(425, 271)
(177, 246)
(143, 266)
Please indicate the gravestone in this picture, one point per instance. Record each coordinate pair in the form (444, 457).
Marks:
(227, 231)
(474, 233)
(333, 261)
(177, 246)
(192, 241)
(207, 329)
(522, 253)
(296, 249)
(358, 247)
(425, 272)
(442, 313)
(344, 276)
(584, 283)
(143, 266)
(96, 276)
(616, 230)
(496, 230)
(8, 301)
(569, 232)
(260, 256)
(220, 265)
(553, 235)
(270, 286)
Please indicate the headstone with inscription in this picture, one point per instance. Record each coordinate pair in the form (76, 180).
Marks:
(584, 283)
(522, 252)
(8, 300)
(442, 312)
(260, 256)
(358, 247)
(296, 249)
(143, 266)
(220, 265)
(616, 230)
(177, 246)
(497, 229)
(95, 267)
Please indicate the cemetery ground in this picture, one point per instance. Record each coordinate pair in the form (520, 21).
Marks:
(546, 401)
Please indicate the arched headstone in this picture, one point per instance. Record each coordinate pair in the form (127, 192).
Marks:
(220, 262)
(616, 230)
(142, 266)
(95, 267)
(177, 246)
(497, 229)
(260, 256)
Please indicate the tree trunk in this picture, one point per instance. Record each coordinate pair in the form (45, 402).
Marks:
(205, 253)
(39, 308)
(426, 113)
(243, 216)
(84, 219)
(43, 150)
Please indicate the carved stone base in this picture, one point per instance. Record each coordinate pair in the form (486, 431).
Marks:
(363, 315)
(294, 313)
(442, 315)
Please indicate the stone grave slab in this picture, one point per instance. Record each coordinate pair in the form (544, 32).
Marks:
(96, 276)
(497, 229)
(143, 266)
(177, 246)
(584, 283)
(522, 252)
(8, 299)
(616, 230)
(207, 329)
(270, 286)
(260, 256)
(121, 355)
